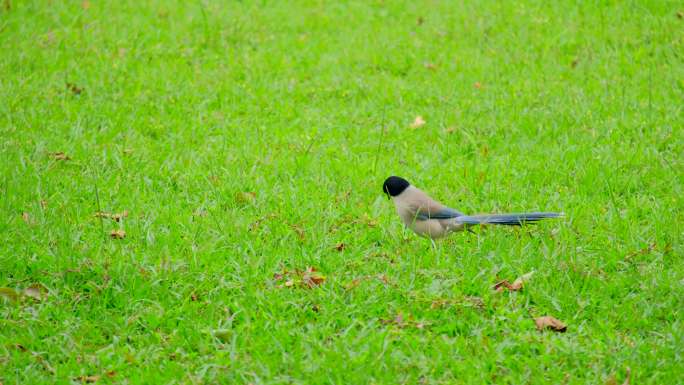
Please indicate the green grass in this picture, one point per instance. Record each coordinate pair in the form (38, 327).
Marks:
(186, 105)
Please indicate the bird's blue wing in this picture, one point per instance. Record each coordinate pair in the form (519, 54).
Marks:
(425, 213)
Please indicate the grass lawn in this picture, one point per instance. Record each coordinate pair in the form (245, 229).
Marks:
(243, 142)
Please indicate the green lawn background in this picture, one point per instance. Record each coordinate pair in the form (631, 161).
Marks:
(173, 110)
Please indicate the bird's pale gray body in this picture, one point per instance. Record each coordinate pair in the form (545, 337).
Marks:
(414, 205)
(431, 219)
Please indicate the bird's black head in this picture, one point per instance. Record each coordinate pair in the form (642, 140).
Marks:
(394, 186)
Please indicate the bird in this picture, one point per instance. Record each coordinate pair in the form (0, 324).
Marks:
(431, 219)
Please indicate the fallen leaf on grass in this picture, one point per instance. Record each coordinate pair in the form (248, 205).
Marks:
(308, 278)
(116, 217)
(340, 246)
(117, 234)
(418, 122)
(36, 291)
(517, 285)
(26, 217)
(430, 66)
(87, 379)
(501, 285)
(85, 4)
(76, 90)
(548, 322)
(59, 156)
(312, 277)
(477, 85)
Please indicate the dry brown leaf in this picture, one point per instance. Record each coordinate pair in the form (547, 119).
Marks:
(36, 291)
(119, 216)
(312, 278)
(308, 278)
(548, 322)
(340, 246)
(430, 66)
(85, 4)
(418, 122)
(76, 90)
(26, 217)
(87, 379)
(517, 285)
(520, 281)
(117, 234)
(477, 85)
(501, 285)
(116, 217)
(59, 156)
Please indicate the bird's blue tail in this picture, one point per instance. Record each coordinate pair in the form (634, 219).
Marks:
(506, 219)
